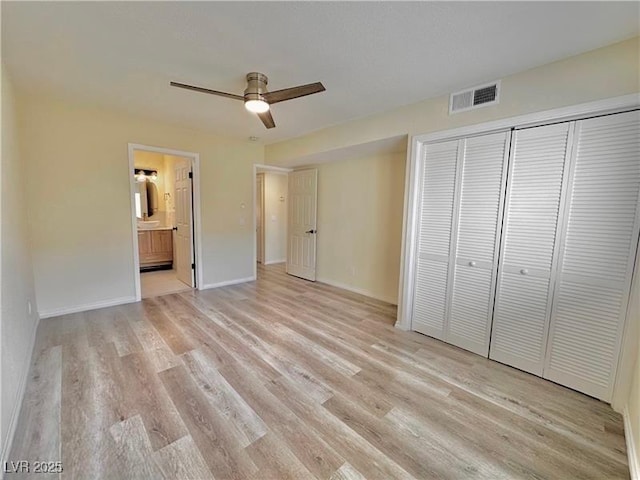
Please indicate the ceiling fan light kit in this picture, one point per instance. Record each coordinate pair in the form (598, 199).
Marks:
(256, 97)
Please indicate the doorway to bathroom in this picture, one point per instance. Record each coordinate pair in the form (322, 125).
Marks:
(165, 219)
(270, 214)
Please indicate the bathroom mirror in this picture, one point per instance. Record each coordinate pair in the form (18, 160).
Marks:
(146, 195)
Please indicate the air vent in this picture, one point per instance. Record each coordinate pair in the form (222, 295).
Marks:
(476, 97)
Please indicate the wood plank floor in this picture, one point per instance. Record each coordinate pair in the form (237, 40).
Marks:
(286, 379)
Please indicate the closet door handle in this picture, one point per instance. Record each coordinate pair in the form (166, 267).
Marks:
(472, 264)
(524, 271)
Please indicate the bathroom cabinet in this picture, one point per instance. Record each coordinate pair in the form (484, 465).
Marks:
(155, 248)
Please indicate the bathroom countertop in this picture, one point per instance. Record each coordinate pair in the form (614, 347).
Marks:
(154, 228)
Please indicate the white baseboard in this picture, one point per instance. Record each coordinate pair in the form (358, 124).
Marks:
(361, 291)
(271, 262)
(632, 449)
(87, 306)
(227, 282)
(17, 407)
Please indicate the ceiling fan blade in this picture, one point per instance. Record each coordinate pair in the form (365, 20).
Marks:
(206, 90)
(293, 92)
(267, 119)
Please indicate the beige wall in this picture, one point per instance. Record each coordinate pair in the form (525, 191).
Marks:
(17, 325)
(275, 218)
(603, 73)
(360, 205)
(79, 200)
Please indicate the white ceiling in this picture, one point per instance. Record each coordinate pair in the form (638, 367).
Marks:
(370, 56)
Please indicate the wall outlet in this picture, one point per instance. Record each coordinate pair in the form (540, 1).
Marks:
(353, 271)
(29, 307)
(242, 221)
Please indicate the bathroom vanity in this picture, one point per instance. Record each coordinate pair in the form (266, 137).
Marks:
(155, 247)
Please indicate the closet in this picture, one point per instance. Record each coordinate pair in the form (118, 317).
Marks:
(525, 244)
(461, 205)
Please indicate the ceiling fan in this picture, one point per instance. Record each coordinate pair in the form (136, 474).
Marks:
(256, 97)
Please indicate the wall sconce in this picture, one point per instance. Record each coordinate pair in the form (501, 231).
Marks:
(141, 174)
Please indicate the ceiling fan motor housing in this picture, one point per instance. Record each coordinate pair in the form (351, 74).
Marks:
(256, 86)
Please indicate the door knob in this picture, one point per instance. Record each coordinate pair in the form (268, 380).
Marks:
(524, 271)
(311, 231)
(472, 264)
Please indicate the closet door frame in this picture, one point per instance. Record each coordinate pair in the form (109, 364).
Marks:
(415, 151)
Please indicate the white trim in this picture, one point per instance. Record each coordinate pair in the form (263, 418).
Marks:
(632, 449)
(409, 229)
(417, 142)
(360, 291)
(271, 168)
(271, 262)
(17, 407)
(197, 216)
(88, 306)
(564, 114)
(228, 282)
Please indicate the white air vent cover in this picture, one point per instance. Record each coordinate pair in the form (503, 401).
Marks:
(476, 97)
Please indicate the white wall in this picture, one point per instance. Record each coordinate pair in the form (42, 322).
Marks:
(17, 325)
(275, 217)
(79, 200)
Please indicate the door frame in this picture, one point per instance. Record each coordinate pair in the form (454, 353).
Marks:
(261, 168)
(196, 214)
(415, 150)
(260, 238)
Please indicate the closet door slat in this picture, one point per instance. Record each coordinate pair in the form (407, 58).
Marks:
(523, 300)
(437, 195)
(478, 227)
(596, 255)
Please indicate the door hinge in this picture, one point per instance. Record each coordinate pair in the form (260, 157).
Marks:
(190, 174)
(193, 266)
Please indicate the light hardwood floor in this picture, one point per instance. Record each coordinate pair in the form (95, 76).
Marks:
(161, 282)
(287, 379)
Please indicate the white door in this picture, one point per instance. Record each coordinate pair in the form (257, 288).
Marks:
(184, 233)
(301, 244)
(523, 297)
(260, 217)
(473, 266)
(596, 255)
(435, 221)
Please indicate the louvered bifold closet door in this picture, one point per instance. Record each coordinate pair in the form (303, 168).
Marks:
(437, 191)
(484, 161)
(596, 255)
(523, 300)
